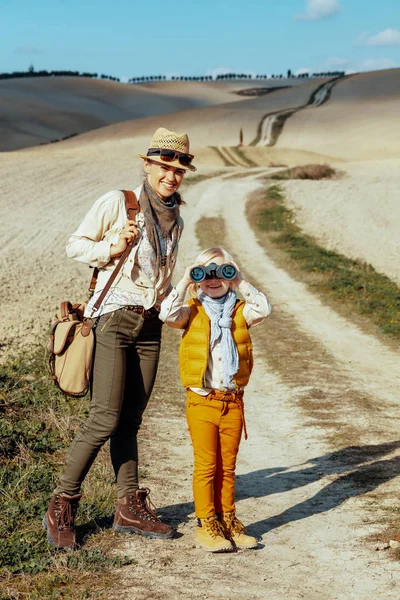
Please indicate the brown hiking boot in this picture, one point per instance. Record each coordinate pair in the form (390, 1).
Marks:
(60, 521)
(135, 514)
(236, 531)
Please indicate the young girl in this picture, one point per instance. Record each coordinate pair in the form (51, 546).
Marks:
(216, 360)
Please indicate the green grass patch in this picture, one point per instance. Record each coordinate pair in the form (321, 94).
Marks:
(369, 293)
(37, 423)
(313, 171)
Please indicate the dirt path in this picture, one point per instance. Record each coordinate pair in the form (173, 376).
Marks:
(313, 504)
(304, 499)
(376, 370)
(272, 124)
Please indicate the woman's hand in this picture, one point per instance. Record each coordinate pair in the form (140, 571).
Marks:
(126, 238)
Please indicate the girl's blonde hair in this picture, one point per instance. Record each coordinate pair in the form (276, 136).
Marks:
(204, 258)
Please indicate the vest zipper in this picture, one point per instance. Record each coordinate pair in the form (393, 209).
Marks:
(203, 379)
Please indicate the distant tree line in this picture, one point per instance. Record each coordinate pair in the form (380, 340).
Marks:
(32, 73)
(329, 74)
(172, 78)
(234, 76)
(146, 78)
(192, 78)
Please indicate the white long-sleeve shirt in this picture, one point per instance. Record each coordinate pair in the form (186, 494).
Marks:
(176, 314)
(91, 244)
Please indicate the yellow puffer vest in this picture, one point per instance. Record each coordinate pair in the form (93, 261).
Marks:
(194, 348)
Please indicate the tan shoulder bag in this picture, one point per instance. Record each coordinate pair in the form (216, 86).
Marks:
(71, 335)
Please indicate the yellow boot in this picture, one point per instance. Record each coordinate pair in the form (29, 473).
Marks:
(210, 535)
(235, 530)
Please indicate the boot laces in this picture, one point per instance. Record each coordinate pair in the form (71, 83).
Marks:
(234, 524)
(141, 505)
(214, 528)
(65, 512)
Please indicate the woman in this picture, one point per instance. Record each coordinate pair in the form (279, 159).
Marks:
(128, 335)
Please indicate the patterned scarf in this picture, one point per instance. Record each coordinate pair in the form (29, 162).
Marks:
(163, 213)
(219, 311)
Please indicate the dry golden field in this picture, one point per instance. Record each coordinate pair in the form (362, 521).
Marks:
(322, 408)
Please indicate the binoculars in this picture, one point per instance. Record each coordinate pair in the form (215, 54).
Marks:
(225, 271)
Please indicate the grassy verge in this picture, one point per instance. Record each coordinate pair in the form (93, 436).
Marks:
(36, 425)
(368, 293)
(314, 171)
(301, 361)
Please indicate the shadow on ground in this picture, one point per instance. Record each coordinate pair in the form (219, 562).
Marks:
(359, 469)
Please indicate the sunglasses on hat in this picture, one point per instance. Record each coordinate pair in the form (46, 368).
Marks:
(168, 155)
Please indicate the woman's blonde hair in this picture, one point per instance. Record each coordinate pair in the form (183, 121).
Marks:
(204, 258)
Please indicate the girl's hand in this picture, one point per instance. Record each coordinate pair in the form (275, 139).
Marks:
(186, 280)
(126, 238)
(238, 279)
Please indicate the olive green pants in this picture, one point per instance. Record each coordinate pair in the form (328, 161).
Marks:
(125, 365)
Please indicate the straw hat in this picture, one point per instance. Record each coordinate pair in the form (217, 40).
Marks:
(169, 140)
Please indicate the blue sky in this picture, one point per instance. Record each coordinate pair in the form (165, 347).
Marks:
(130, 38)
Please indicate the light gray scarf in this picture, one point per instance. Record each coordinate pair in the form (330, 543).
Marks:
(219, 311)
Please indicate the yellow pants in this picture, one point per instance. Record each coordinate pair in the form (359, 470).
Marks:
(215, 428)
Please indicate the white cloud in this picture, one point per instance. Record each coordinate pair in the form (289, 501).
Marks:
(302, 71)
(319, 9)
(377, 64)
(387, 37)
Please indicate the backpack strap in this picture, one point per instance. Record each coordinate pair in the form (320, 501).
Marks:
(132, 204)
(132, 209)
(65, 309)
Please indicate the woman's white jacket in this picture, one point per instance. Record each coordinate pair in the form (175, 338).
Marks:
(101, 228)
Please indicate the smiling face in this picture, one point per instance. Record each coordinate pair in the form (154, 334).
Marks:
(164, 179)
(215, 288)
